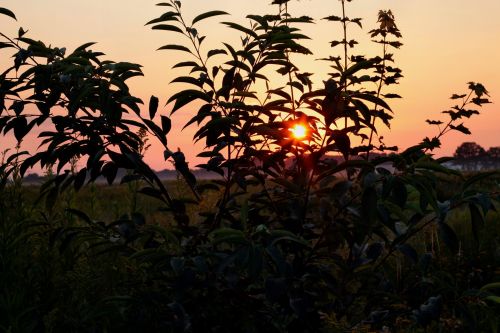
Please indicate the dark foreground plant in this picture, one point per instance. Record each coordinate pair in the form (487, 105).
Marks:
(307, 235)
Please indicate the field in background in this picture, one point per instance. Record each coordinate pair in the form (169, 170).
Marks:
(107, 203)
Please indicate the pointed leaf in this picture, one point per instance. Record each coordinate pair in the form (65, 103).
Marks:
(84, 46)
(207, 15)
(168, 16)
(494, 285)
(478, 177)
(166, 124)
(215, 51)
(7, 12)
(495, 299)
(369, 205)
(185, 64)
(174, 47)
(477, 220)
(408, 251)
(374, 99)
(461, 128)
(188, 79)
(187, 96)
(167, 27)
(449, 236)
(241, 28)
(153, 106)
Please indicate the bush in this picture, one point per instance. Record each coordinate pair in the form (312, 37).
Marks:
(316, 228)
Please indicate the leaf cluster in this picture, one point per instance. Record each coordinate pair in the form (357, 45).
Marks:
(307, 235)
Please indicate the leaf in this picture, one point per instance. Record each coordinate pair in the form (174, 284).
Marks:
(495, 299)
(374, 99)
(433, 122)
(51, 198)
(478, 177)
(168, 16)
(6, 45)
(494, 285)
(174, 47)
(157, 131)
(374, 250)
(409, 251)
(185, 97)
(449, 236)
(7, 12)
(392, 96)
(369, 205)
(110, 171)
(401, 228)
(153, 106)
(477, 220)
(281, 235)
(358, 22)
(167, 27)
(254, 264)
(81, 215)
(185, 64)
(228, 235)
(166, 124)
(425, 262)
(288, 185)
(342, 142)
(189, 80)
(80, 178)
(461, 128)
(399, 193)
(215, 51)
(241, 28)
(455, 96)
(434, 166)
(207, 15)
(151, 192)
(177, 265)
(366, 64)
(84, 46)
(21, 127)
(333, 18)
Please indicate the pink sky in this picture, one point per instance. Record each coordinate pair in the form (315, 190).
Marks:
(447, 43)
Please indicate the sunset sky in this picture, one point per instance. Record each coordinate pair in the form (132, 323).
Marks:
(446, 44)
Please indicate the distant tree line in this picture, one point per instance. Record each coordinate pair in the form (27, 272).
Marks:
(471, 156)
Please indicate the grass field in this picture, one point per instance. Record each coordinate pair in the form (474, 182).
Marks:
(71, 275)
(108, 203)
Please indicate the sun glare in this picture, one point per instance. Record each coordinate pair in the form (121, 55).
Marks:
(299, 131)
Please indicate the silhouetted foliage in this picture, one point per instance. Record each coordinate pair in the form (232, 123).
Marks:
(316, 245)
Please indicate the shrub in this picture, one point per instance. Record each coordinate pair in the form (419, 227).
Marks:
(311, 232)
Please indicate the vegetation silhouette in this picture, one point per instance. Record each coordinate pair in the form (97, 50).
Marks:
(316, 245)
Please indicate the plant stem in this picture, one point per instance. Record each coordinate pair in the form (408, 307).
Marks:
(447, 127)
(344, 25)
(380, 84)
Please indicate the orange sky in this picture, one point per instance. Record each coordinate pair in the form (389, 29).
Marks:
(447, 43)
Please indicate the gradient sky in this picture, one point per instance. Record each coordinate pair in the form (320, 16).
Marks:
(446, 44)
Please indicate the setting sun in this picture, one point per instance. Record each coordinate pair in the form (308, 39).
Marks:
(299, 131)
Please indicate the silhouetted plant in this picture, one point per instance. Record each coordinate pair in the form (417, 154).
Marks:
(297, 242)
